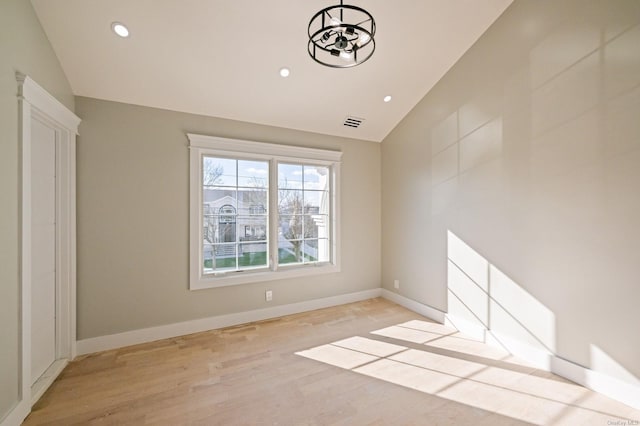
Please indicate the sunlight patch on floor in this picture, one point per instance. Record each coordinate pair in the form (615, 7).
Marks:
(407, 334)
(368, 346)
(340, 357)
(440, 361)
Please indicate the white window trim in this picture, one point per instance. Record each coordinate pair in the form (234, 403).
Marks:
(210, 145)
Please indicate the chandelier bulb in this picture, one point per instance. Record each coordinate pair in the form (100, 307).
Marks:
(363, 39)
(347, 56)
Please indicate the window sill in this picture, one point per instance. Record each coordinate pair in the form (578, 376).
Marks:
(236, 278)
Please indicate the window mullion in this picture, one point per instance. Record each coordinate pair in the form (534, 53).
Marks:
(201, 212)
(236, 233)
(273, 215)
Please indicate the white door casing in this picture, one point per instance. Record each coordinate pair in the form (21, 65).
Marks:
(37, 105)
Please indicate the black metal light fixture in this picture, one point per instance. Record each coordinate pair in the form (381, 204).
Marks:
(342, 36)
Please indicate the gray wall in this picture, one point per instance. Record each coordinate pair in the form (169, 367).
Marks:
(526, 156)
(133, 219)
(25, 48)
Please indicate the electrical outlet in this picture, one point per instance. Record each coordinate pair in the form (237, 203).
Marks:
(396, 283)
(268, 295)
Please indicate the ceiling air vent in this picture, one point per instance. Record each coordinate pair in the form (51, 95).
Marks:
(354, 122)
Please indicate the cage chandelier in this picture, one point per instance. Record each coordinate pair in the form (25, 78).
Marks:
(342, 36)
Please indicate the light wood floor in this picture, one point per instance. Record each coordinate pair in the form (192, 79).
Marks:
(370, 362)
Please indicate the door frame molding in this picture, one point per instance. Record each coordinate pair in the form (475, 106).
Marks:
(34, 102)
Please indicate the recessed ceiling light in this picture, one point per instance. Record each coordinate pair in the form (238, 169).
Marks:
(284, 72)
(387, 98)
(120, 29)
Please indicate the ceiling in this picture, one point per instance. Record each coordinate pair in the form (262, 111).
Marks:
(222, 58)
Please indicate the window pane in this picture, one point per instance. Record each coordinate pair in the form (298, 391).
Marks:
(316, 202)
(252, 201)
(317, 250)
(207, 258)
(310, 250)
(214, 197)
(218, 171)
(252, 228)
(226, 230)
(316, 177)
(303, 207)
(323, 222)
(235, 200)
(252, 254)
(218, 257)
(291, 253)
(290, 176)
(253, 174)
(209, 228)
(224, 257)
(290, 201)
(316, 226)
(290, 227)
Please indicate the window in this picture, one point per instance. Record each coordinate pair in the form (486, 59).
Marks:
(303, 213)
(261, 211)
(229, 187)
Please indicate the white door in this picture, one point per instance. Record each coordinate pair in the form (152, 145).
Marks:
(48, 242)
(43, 246)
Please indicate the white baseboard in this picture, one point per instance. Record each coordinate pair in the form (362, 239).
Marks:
(606, 385)
(134, 337)
(48, 377)
(16, 415)
(539, 358)
(469, 328)
(422, 309)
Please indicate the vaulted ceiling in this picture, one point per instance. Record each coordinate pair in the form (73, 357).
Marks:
(222, 57)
